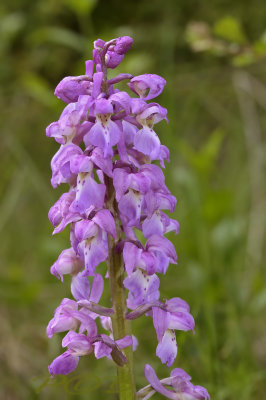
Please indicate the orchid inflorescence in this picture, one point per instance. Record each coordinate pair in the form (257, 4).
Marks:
(116, 196)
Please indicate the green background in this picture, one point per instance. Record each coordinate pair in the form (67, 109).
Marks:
(216, 138)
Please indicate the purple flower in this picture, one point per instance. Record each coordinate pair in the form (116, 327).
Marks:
(130, 188)
(158, 197)
(179, 381)
(68, 317)
(121, 103)
(64, 364)
(154, 257)
(146, 140)
(113, 59)
(104, 133)
(141, 192)
(67, 263)
(84, 294)
(142, 288)
(103, 163)
(79, 345)
(114, 205)
(80, 287)
(60, 164)
(147, 86)
(78, 342)
(63, 318)
(167, 317)
(163, 250)
(72, 124)
(124, 179)
(113, 51)
(123, 44)
(91, 239)
(71, 87)
(89, 194)
(159, 224)
(60, 214)
(174, 315)
(107, 347)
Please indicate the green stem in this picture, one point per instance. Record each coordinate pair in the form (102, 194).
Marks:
(121, 326)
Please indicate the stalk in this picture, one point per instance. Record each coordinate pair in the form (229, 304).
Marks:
(121, 326)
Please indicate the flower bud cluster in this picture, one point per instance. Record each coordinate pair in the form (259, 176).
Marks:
(105, 135)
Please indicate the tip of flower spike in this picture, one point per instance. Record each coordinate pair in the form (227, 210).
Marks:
(111, 53)
(123, 44)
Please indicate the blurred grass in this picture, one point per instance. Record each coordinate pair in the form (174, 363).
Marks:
(217, 121)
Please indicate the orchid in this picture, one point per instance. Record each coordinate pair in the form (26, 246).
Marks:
(179, 381)
(107, 145)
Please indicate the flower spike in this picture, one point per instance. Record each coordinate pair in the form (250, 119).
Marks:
(114, 209)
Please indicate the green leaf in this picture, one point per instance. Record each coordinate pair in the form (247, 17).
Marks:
(229, 28)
